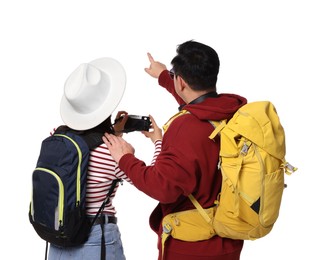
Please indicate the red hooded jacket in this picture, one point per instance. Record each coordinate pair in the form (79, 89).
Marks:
(187, 164)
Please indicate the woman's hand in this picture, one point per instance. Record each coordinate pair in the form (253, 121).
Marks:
(119, 122)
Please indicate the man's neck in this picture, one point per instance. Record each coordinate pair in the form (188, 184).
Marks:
(201, 98)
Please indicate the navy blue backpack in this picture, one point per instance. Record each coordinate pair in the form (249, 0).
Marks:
(57, 208)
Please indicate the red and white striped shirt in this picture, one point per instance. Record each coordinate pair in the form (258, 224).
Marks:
(101, 172)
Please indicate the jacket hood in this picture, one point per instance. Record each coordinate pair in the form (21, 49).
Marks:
(216, 108)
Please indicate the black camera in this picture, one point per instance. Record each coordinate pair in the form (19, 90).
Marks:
(136, 123)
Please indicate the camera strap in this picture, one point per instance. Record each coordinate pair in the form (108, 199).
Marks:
(200, 99)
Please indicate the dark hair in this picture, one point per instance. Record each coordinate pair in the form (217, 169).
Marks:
(105, 126)
(197, 64)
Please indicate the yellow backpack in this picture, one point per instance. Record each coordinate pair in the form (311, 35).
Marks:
(252, 162)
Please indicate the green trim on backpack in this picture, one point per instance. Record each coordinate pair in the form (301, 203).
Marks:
(78, 171)
(61, 192)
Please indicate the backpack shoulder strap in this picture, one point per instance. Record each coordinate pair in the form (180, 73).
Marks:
(92, 139)
(107, 199)
(167, 124)
(199, 208)
(218, 127)
(114, 183)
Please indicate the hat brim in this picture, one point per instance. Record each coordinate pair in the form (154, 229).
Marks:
(117, 76)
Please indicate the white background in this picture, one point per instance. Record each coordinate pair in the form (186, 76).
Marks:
(268, 50)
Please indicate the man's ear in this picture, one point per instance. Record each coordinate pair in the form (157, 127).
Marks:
(181, 83)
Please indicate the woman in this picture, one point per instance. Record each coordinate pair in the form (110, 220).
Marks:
(91, 93)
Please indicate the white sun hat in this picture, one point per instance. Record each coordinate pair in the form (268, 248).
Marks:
(92, 92)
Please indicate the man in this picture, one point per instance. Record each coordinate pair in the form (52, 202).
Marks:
(188, 162)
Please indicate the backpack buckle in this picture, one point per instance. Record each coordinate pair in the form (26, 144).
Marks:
(245, 148)
(288, 168)
(167, 229)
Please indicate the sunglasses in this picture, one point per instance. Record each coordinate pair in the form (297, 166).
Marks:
(171, 73)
